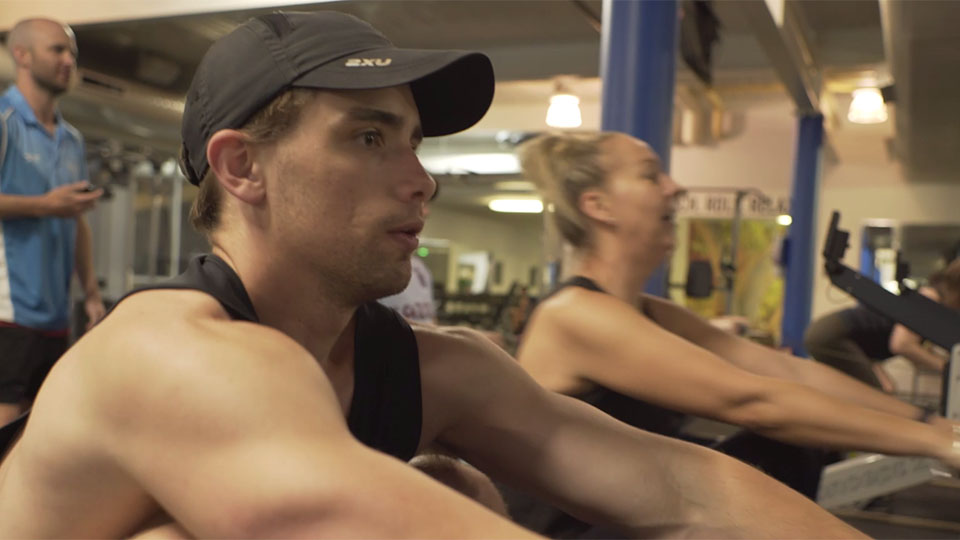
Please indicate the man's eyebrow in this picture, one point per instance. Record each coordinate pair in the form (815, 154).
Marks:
(366, 114)
(380, 116)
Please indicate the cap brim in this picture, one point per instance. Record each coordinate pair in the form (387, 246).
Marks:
(452, 89)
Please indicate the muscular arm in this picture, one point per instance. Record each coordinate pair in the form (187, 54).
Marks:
(608, 342)
(595, 467)
(236, 432)
(767, 362)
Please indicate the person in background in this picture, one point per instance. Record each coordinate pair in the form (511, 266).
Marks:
(415, 303)
(649, 362)
(43, 195)
(856, 340)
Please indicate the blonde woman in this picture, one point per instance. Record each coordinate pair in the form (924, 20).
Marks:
(646, 360)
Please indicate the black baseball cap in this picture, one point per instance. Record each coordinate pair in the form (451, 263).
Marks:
(244, 70)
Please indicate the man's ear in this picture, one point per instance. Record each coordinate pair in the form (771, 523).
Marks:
(21, 56)
(230, 156)
(595, 204)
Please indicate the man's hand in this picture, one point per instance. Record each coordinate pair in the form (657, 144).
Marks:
(95, 310)
(70, 200)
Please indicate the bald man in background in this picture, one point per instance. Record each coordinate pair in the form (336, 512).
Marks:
(43, 195)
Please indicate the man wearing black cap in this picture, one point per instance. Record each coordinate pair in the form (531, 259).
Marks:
(265, 394)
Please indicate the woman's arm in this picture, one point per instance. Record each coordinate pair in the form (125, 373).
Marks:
(608, 342)
(768, 362)
(594, 467)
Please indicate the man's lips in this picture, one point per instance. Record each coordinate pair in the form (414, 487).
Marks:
(407, 234)
(412, 227)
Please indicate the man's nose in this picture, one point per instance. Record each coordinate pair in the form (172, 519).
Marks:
(417, 182)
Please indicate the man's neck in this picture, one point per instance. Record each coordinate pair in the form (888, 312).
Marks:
(43, 103)
(293, 304)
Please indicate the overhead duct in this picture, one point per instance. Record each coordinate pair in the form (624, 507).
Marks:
(922, 44)
(108, 108)
(133, 114)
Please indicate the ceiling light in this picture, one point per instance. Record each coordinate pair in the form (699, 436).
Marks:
(489, 163)
(867, 107)
(784, 219)
(515, 185)
(169, 167)
(516, 206)
(564, 111)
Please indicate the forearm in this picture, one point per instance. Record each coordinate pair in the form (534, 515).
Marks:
(663, 487)
(21, 206)
(380, 498)
(644, 485)
(922, 357)
(736, 500)
(84, 259)
(796, 414)
(823, 378)
(765, 361)
(840, 385)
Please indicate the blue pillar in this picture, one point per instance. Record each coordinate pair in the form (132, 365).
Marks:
(803, 256)
(637, 63)
(868, 264)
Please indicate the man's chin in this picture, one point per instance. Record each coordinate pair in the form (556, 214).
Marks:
(386, 287)
(54, 88)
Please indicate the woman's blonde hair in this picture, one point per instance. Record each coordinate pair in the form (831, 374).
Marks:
(563, 166)
(268, 125)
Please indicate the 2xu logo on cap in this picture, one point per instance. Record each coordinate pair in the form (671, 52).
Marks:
(368, 62)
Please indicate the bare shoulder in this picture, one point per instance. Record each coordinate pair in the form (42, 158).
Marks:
(463, 374)
(433, 340)
(163, 348)
(578, 317)
(180, 329)
(449, 353)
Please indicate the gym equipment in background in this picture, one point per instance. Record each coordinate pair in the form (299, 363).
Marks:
(866, 477)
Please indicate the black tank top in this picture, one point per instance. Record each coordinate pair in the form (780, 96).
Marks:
(635, 412)
(386, 410)
(870, 331)
(550, 521)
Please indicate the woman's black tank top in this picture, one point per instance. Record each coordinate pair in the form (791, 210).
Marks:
(637, 413)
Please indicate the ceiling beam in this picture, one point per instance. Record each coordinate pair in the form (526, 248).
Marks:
(103, 11)
(785, 36)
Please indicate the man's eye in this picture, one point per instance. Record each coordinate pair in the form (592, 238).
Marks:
(372, 138)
